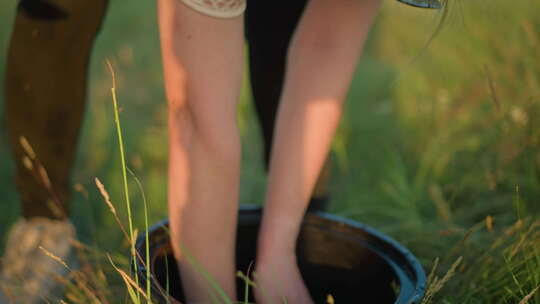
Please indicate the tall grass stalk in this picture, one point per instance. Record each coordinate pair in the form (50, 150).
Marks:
(147, 241)
(124, 173)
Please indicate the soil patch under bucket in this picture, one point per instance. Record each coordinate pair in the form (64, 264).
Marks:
(351, 261)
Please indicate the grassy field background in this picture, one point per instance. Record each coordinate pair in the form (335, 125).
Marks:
(439, 146)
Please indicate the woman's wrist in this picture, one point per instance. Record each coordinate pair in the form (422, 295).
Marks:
(278, 239)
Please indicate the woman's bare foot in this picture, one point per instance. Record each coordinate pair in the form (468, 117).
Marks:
(279, 281)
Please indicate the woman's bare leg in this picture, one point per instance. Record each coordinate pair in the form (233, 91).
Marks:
(202, 62)
(321, 63)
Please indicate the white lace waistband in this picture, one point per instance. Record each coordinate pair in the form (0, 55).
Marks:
(218, 8)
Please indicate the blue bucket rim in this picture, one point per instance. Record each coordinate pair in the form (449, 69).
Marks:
(406, 295)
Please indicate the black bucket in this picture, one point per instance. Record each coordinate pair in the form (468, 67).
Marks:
(350, 261)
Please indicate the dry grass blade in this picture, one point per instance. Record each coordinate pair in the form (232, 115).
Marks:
(456, 248)
(91, 274)
(44, 177)
(54, 257)
(127, 279)
(107, 200)
(524, 238)
(82, 285)
(526, 299)
(508, 233)
(80, 188)
(450, 273)
(105, 195)
(32, 163)
(80, 246)
(431, 276)
(53, 205)
(27, 163)
(79, 277)
(489, 223)
(437, 284)
(27, 147)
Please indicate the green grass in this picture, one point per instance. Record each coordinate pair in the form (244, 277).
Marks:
(434, 142)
